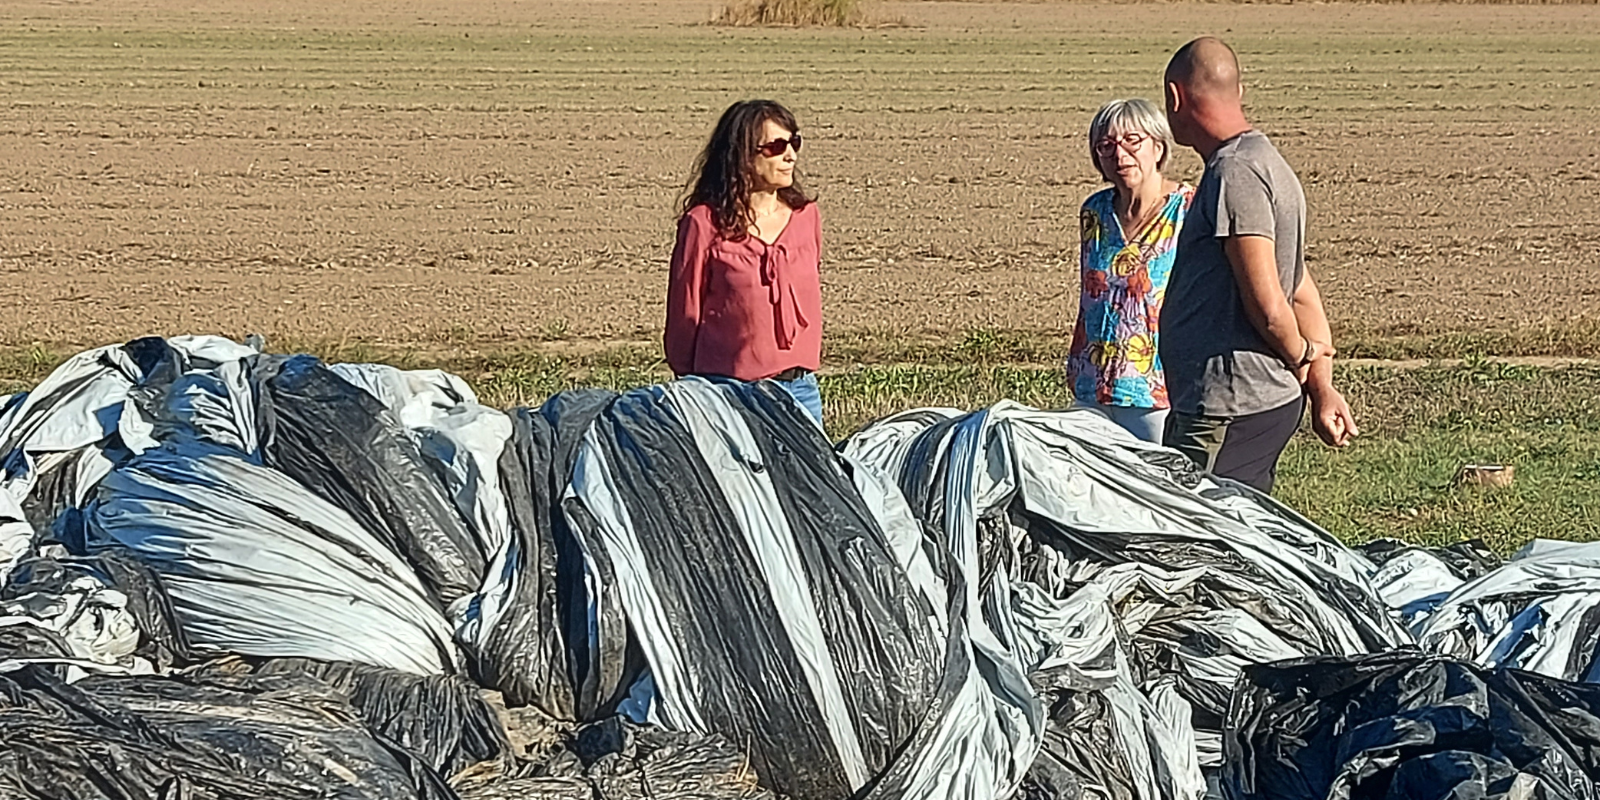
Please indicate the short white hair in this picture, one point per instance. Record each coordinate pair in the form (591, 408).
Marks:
(1134, 114)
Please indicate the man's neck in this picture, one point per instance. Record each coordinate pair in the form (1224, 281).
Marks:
(1220, 134)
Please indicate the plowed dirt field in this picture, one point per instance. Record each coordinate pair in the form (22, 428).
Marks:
(485, 172)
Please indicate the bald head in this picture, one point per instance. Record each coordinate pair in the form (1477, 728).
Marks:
(1205, 101)
(1207, 69)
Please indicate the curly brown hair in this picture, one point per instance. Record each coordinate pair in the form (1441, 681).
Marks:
(723, 172)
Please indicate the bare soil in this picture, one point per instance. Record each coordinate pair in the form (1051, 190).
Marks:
(479, 173)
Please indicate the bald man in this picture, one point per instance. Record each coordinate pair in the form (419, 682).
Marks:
(1244, 338)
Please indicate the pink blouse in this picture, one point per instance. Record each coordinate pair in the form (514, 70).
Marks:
(745, 309)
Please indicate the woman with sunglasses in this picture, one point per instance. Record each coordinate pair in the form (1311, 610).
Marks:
(1129, 236)
(744, 296)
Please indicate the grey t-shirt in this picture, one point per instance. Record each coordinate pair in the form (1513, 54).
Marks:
(1216, 363)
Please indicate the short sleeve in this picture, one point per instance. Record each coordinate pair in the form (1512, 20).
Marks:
(1091, 229)
(1244, 201)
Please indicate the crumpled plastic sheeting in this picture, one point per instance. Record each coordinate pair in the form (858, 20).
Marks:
(617, 760)
(342, 443)
(212, 737)
(773, 610)
(16, 535)
(257, 562)
(1191, 578)
(76, 406)
(109, 610)
(1539, 612)
(249, 486)
(89, 619)
(292, 513)
(461, 440)
(209, 397)
(51, 438)
(60, 439)
(1094, 699)
(298, 729)
(441, 719)
(81, 402)
(1466, 560)
(258, 565)
(1415, 580)
(1035, 597)
(526, 631)
(1404, 726)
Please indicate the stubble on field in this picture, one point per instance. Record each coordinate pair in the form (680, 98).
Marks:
(485, 174)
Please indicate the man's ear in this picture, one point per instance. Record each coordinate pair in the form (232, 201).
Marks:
(1174, 97)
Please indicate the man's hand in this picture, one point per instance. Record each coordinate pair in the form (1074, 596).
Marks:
(1332, 420)
(1331, 417)
(1330, 414)
(1319, 350)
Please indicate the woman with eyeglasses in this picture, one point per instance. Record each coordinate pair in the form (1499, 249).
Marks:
(1129, 235)
(744, 296)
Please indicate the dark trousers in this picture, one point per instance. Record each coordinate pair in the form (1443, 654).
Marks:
(1245, 448)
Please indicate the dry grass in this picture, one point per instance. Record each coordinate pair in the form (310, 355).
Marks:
(1306, 2)
(1449, 2)
(835, 13)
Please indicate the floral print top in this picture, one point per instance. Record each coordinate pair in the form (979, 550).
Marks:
(1115, 357)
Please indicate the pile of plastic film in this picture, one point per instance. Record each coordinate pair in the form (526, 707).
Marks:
(230, 573)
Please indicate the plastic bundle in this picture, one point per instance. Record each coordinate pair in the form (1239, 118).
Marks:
(461, 441)
(1415, 580)
(108, 609)
(54, 439)
(1540, 612)
(1188, 579)
(526, 630)
(342, 444)
(133, 738)
(256, 564)
(773, 609)
(1405, 725)
(60, 439)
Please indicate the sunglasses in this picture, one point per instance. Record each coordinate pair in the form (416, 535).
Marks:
(777, 147)
(1109, 145)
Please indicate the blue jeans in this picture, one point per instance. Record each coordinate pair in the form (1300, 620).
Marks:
(807, 393)
(1145, 423)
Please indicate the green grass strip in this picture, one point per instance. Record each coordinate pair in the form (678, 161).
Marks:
(1420, 425)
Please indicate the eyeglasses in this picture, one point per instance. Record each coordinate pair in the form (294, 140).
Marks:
(777, 147)
(1108, 145)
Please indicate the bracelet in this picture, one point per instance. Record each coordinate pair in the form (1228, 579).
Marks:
(1305, 357)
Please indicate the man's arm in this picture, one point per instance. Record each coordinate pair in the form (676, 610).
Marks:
(1255, 270)
(1330, 414)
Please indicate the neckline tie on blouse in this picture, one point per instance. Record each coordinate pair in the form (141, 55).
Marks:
(788, 318)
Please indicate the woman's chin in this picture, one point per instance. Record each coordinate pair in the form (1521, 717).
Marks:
(1125, 183)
